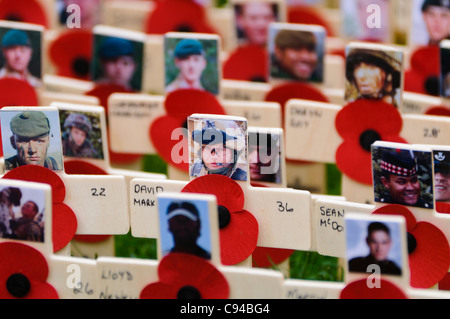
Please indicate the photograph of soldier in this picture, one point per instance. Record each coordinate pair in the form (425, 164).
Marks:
(22, 218)
(81, 135)
(117, 61)
(445, 68)
(29, 139)
(21, 55)
(184, 227)
(191, 63)
(252, 19)
(442, 176)
(430, 22)
(264, 157)
(403, 176)
(373, 74)
(220, 148)
(296, 52)
(379, 245)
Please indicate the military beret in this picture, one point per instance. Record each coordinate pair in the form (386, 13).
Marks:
(437, 3)
(295, 39)
(14, 38)
(30, 124)
(187, 47)
(113, 48)
(210, 136)
(185, 209)
(442, 162)
(399, 162)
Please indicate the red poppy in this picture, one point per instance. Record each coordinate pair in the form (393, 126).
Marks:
(24, 272)
(102, 92)
(360, 290)
(64, 221)
(183, 276)
(429, 251)
(178, 15)
(247, 63)
(308, 15)
(86, 168)
(29, 11)
(361, 123)
(265, 257)
(238, 227)
(422, 77)
(443, 208)
(71, 53)
(294, 90)
(439, 111)
(179, 105)
(15, 92)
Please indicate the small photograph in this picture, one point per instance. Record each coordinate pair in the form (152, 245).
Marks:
(117, 61)
(264, 156)
(81, 134)
(21, 56)
(442, 176)
(191, 62)
(22, 214)
(184, 227)
(89, 12)
(218, 147)
(403, 176)
(372, 243)
(252, 20)
(430, 22)
(445, 68)
(296, 52)
(374, 74)
(31, 137)
(358, 23)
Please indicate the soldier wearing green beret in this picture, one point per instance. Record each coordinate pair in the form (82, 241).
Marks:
(189, 58)
(117, 61)
(31, 139)
(17, 52)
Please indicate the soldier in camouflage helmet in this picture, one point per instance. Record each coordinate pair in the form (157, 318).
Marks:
(75, 139)
(31, 139)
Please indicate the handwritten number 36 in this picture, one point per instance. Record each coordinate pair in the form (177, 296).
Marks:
(284, 207)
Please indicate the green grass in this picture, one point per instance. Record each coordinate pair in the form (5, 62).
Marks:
(302, 264)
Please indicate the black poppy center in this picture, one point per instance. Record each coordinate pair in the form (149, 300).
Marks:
(18, 285)
(367, 138)
(224, 216)
(412, 243)
(14, 17)
(184, 28)
(80, 66)
(258, 78)
(188, 292)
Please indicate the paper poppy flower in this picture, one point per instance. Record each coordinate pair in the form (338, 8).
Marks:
(178, 15)
(183, 276)
(102, 92)
(179, 105)
(423, 74)
(29, 11)
(359, 290)
(428, 248)
(360, 124)
(247, 63)
(265, 257)
(308, 15)
(294, 90)
(71, 53)
(85, 168)
(443, 208)
(439, 111)
(64, 221)
(23, 273)
(238, 227)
